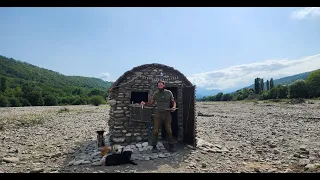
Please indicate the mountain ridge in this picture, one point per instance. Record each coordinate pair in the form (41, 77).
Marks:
(284, 81)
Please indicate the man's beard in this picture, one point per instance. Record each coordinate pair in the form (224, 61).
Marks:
(161, 89)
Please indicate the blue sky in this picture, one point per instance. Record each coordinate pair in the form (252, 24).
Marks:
(216, 48)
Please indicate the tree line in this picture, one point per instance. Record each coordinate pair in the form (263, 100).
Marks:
(31, 94)
(23, 84)
(309, 88)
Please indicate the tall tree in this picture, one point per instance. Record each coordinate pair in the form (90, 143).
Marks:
(257, 85)
(282, 91)
(219, 96)
(261, 85)
(268, 85)
(271, 83)
(33, 94)
(313, 82)
(3, 84)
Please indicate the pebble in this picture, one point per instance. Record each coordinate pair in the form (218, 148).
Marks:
(95, 160)
(160, 144)
(296, 155)
(162, 155)
(224, 149)
(276, 151)
(94, 154)
(272, 145)
(217, 146)
(204, 152)
(37, 170)
(203, 165)
(154, 156)
(312, 167)
(56, 155)
(288, 170)
(10, 159)
(14, 151)
(303, 148)
(257, 170)
(145, 144)
(272, 170)
(303, 162)
(139, 145)
(81, 162)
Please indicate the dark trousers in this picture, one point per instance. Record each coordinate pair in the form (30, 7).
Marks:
(159, 119)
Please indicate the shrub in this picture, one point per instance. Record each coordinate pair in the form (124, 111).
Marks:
(50, 100)
(96, 100)
(313, 82)
(298, 89)
(4, 102)
(15, 102)
(25, 102)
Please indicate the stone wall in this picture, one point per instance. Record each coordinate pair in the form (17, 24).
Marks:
(124, 125)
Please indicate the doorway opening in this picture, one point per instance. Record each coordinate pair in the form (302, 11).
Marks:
(174, 116)
(137, 97)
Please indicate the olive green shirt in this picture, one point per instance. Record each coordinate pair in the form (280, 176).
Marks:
(162, 99)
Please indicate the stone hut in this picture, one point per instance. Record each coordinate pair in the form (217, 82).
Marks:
(129, 123)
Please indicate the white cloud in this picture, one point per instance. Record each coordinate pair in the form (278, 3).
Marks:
(243, 75)
(306, 13)
(104, 76)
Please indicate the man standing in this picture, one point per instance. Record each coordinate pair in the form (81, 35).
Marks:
(162, 115)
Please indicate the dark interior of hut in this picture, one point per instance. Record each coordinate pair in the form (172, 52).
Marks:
(137, 97)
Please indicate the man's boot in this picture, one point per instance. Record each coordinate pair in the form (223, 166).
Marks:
(171, 148)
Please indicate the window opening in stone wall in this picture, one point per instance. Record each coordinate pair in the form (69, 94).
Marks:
(137, 97)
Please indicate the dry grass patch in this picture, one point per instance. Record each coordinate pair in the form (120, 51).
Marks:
(25, 120)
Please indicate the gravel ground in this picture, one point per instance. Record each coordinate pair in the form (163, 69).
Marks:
(233, 137)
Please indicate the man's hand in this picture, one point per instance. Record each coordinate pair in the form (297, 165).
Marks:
(172, 109)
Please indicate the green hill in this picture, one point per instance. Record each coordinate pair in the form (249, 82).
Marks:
(24, 82)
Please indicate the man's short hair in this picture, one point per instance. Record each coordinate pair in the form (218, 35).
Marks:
(160, 81)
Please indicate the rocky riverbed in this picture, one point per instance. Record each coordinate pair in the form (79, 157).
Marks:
(232, 137)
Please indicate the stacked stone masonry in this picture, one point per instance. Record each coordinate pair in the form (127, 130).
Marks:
(129, 124)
